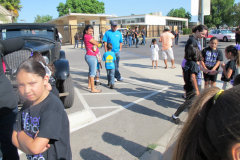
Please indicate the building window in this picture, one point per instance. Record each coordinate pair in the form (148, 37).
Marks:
(119, 22)
(128, 21)
(132, 20)
(137, 20)
(142, 19)
(123, 21)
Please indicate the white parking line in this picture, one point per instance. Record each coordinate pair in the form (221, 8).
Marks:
(106, 107)
(83, 101)
(140, 92)
(118, 110)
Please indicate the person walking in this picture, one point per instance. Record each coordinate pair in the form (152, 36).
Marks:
(81, 39)
(177, 36)
(143, 36)
(166, 39)
(133, 36)
(115, 37)
(130, 37)
(237, 35)
(90, 57)
(136, 36)
(76, 37)
(125, 35)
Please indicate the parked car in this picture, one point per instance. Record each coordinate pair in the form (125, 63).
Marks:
(208, 38)
(44, 39)
(223, 34)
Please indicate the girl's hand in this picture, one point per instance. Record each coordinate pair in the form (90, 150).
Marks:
(46, 148)
(222, 65)
(214, 72)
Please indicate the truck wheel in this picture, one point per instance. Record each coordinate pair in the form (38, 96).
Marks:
(225, 39)
(67, 86)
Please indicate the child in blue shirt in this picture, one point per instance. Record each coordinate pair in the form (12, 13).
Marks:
(110, 58)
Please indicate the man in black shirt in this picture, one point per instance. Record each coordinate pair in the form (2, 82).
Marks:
(136, 36)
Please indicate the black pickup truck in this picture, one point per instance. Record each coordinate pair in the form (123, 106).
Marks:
(41, 37)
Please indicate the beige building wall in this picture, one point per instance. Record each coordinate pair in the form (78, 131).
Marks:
(72, 20)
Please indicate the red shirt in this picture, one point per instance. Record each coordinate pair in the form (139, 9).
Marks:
(89, 45)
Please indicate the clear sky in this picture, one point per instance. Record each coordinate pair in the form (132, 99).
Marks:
(32, 8)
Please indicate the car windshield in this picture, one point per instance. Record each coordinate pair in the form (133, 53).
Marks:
(12, 33)
(226, 31)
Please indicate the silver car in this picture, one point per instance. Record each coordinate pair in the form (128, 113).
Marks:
(223, 34)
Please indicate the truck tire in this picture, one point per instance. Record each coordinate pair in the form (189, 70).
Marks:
(67, 86)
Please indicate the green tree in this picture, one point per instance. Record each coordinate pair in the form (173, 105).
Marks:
(13, 6)
(81, 6)
(221, 12)
(181, 13)
(235, 15)
(151, 13)
(42, 19)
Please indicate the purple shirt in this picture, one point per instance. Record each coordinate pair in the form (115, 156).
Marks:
(183, 63)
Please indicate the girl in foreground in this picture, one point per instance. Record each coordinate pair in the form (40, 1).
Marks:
(42, 127)
(211, 131)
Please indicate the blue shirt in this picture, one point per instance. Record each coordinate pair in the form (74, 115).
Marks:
(115, 38)
(98, 65)
(109, 58)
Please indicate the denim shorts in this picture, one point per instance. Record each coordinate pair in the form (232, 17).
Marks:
(92, 63)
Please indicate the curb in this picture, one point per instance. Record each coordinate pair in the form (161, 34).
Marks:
(79, 118)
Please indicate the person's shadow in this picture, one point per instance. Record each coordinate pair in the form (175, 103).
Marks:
(90, 154)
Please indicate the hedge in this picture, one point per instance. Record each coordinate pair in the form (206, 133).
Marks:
(187, 31)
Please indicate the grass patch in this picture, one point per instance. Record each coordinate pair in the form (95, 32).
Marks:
(151, 147)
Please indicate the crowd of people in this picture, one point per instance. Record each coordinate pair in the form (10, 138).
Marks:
(210, 132)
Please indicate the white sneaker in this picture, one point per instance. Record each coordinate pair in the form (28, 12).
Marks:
(121, 79)
(115, 79)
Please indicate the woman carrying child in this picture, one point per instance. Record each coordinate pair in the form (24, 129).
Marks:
(230, 70)
(42, 127)
(211, 61)
(154, 49)
(90, 57)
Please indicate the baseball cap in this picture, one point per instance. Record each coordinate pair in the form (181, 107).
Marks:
(166, 28)
(114, 23)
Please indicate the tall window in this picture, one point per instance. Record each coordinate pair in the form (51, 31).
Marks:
(123, 21)
(119, 22)
(137, 20)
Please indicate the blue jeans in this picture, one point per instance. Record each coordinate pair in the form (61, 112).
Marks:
(110, 76)
(125, 40)
(136, 41)
(92, 64)
(76, 43)
(117, 73)
(130, 40)
(143, 41)
(7, 149)
(81, 43)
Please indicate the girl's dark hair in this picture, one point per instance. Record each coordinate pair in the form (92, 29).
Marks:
(32, 66)
(213, 38)
(38, 57)
(153, 41)
(212, 127)
(235, 53)
(86, 28)
(236, 80)
(200, 28)
(192, 53)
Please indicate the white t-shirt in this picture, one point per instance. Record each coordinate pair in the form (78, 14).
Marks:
(60, 36)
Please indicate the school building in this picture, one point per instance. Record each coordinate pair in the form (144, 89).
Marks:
(70, 24)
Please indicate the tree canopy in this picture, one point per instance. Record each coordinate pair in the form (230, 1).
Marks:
(81, 6)
(42, 19)
(13, 6)
(181, 13)
(221, 13)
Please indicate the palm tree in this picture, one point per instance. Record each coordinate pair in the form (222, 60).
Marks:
(13, 6)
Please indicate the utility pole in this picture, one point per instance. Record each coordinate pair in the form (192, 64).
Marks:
(202, 19)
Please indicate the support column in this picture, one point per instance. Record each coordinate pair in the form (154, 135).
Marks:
(72, 22)
(60, 27)
(103, 23)
(87, 22)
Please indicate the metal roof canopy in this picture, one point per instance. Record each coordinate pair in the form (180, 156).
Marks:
(81, 17)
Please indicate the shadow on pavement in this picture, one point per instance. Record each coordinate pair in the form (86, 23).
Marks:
(133, 148)
(89, 154)
(143, 110)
